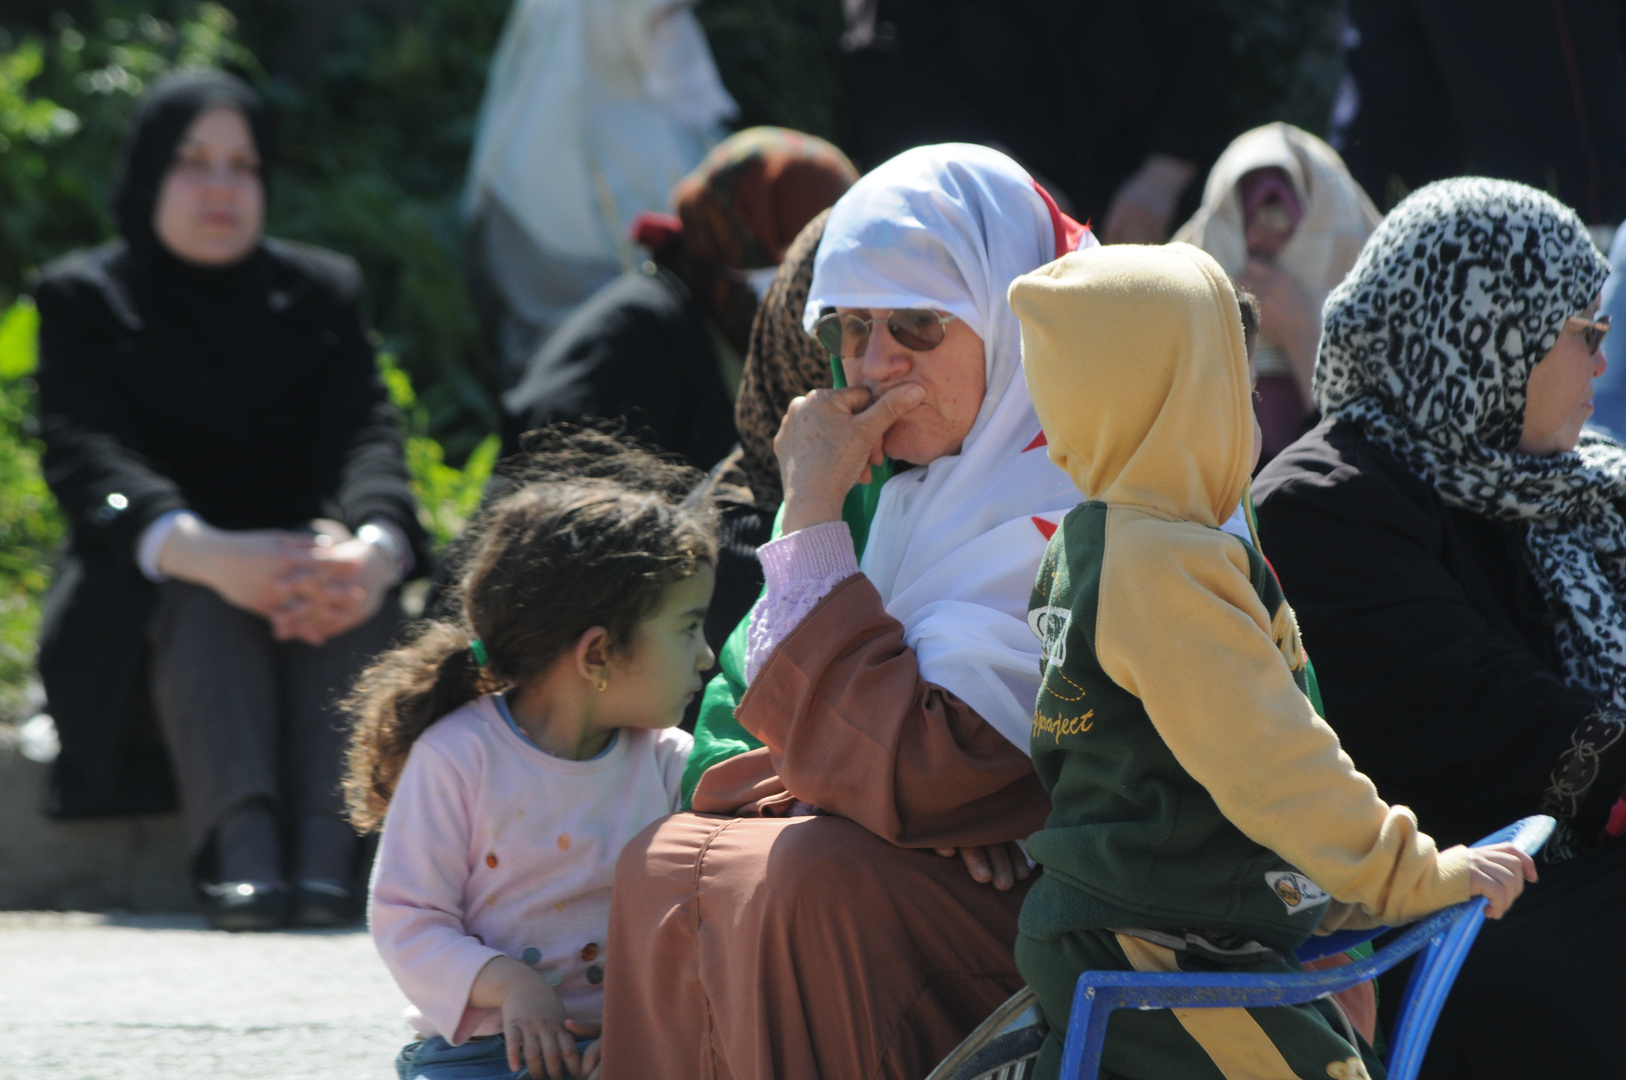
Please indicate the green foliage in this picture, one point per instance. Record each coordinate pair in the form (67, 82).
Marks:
(19, 340)
(447, 496)
(781, 60)
(30, 525)
(375, 143)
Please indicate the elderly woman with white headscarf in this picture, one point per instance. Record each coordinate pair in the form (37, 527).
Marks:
(1454, 544)
(800, 924)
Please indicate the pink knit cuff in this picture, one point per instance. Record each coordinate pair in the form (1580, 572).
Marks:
(800, 570)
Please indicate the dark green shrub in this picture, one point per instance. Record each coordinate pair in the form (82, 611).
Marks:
(1287, 53)
(781, 61)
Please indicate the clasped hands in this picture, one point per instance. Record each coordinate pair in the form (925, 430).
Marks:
(310, 586)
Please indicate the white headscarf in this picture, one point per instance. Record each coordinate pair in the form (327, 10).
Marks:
(1338, 217)
(955, 546)
(593, 111)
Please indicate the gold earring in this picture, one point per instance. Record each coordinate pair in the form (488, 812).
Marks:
(603, 683)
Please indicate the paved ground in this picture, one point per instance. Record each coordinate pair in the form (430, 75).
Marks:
(158, 997)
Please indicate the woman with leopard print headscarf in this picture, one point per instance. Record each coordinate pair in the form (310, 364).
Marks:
(1454, 545)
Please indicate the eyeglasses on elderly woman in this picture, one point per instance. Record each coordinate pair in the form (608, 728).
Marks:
(847, 335)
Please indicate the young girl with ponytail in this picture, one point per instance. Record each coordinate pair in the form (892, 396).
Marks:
(517, 743)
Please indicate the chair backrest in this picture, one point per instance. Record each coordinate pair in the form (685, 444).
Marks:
(1446, 935)
(1004, 1047)
(1436, 970)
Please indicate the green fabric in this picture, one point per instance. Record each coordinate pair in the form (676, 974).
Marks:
(1132, 839)
(1153, 1042)
(718, 736)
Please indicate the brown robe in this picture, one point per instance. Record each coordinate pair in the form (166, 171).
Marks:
(751, 945)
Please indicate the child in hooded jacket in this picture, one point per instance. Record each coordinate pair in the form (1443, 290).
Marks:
(1204, 817)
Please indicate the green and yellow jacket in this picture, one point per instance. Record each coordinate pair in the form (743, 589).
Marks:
(1193, 784)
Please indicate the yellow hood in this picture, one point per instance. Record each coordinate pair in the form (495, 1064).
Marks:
(1135, 361)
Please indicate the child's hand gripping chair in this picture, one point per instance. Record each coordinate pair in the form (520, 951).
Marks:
(1005, 1046)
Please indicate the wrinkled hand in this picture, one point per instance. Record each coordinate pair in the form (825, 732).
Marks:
(827, 443)
(1498, 873)
(595, 1049)
(339, 586)
(1001, 865)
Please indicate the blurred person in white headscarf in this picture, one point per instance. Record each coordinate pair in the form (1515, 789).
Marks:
(1283, 216)
(593, 111)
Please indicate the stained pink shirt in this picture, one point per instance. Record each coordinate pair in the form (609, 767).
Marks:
(493, 847)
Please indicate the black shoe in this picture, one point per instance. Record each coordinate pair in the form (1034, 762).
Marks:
(322, 904)
(245, 905)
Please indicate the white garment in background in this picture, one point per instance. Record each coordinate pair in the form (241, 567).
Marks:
(954, 546)
(593, 111)
(1338, 216)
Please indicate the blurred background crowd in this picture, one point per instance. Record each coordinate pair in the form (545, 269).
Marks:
(552, 220)
(378, 105)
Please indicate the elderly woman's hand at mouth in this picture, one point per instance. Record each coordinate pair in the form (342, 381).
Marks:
(827, 443)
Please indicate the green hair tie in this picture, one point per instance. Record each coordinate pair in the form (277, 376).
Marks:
(478, 648)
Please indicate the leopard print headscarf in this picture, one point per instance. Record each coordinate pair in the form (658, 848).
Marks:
(783, 363)
(1428, 344)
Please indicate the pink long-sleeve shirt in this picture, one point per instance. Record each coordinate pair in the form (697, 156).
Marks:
(493, 847)
(800, 569)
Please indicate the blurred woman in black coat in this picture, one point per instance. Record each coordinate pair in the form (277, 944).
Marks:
(231, 470)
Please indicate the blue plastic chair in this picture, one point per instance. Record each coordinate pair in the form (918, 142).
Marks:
(1444, 938)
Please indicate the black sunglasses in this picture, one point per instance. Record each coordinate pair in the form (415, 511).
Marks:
(847, 335)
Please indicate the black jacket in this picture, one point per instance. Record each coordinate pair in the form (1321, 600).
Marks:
(1078, 91)
(1534, 92)
(1431, 641)
(144, 410)
(639, 349)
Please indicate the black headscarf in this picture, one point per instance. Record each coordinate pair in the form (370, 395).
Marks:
(156, 129)
(212, 296)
